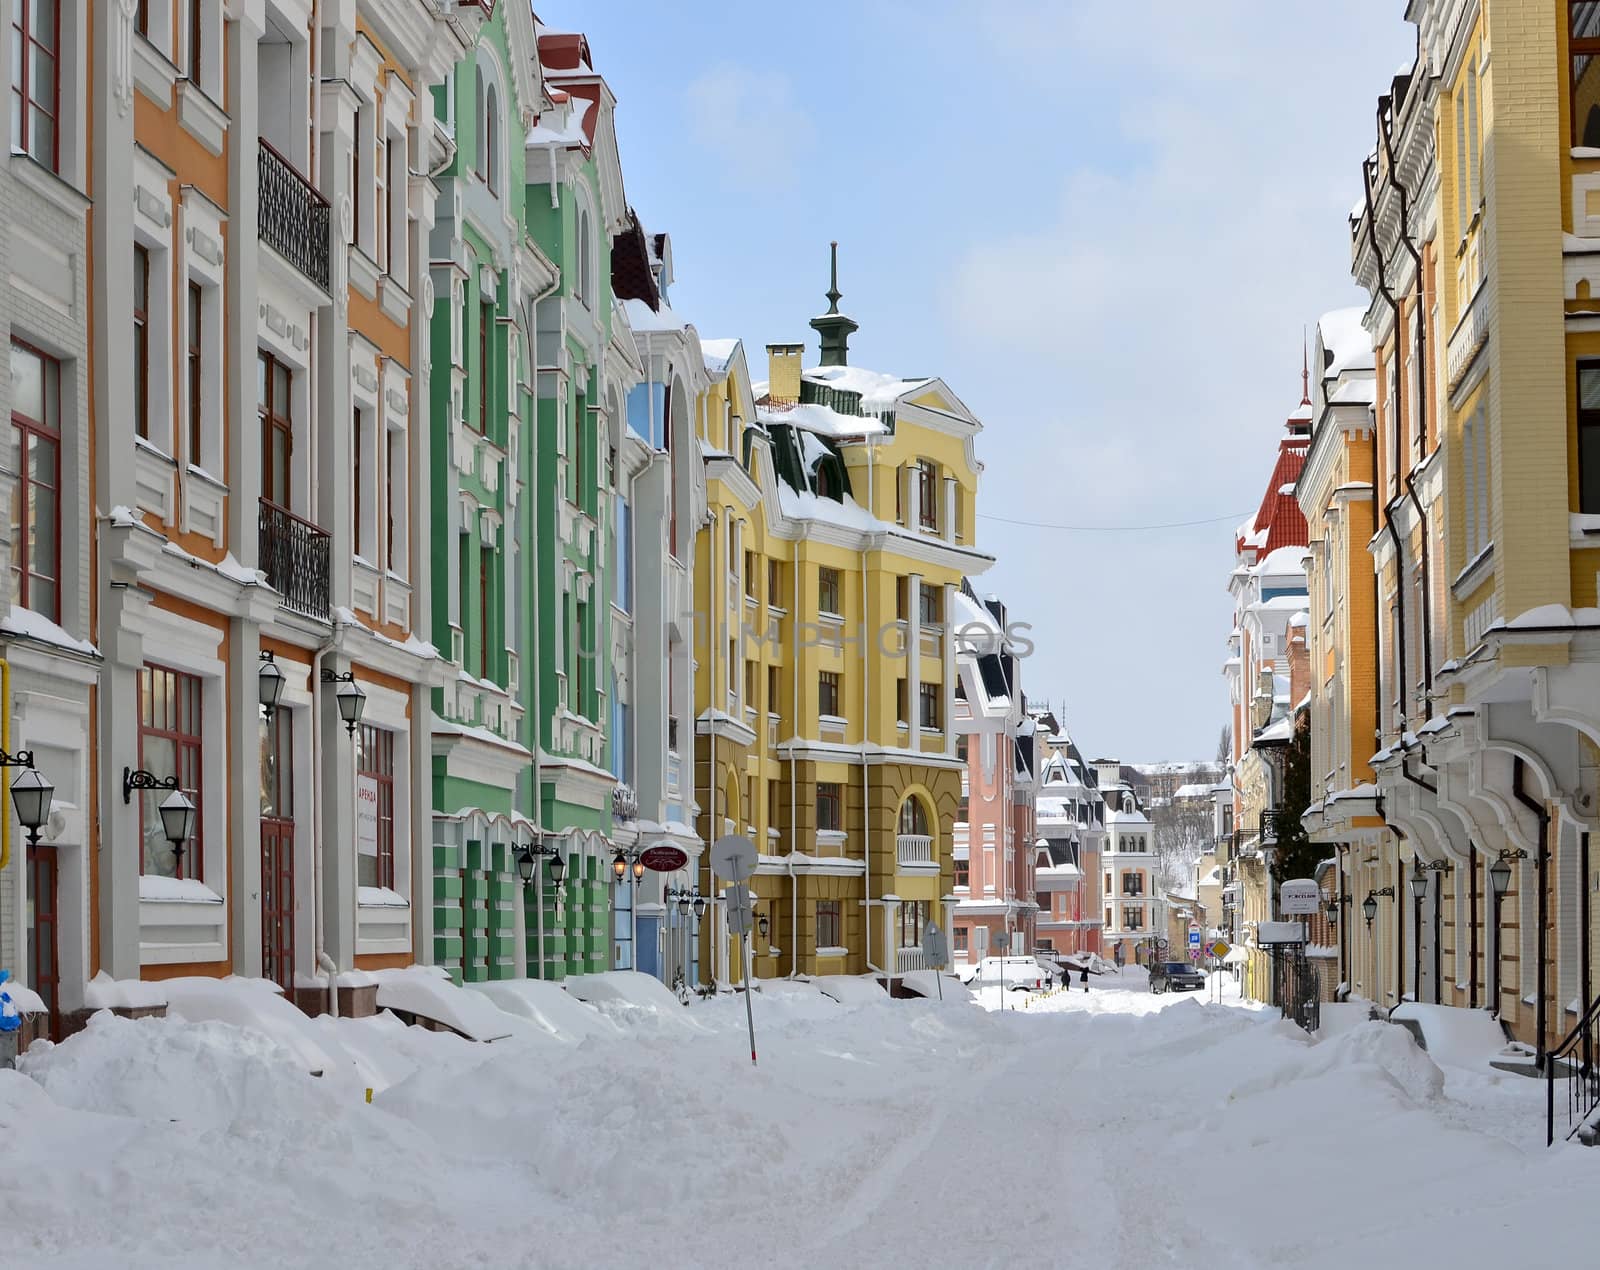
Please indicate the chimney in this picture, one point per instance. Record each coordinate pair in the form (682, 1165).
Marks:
(1299, 665)
(783, 372)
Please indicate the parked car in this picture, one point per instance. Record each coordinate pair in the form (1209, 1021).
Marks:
(1175, 976)
(1021, 974)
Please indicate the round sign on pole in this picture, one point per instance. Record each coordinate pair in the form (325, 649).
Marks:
(664, 858)
(733, 857)
(1002, 939)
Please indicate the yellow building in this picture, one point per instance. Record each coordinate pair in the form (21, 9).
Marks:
(1336, 495)
(1478, 238)
(840, 526)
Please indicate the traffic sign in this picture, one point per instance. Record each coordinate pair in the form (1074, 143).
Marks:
(1002, 939)
(733, 857)
(1194, 937)
(664, 858)
(740, 919)
(1220, 949)
(934, 946)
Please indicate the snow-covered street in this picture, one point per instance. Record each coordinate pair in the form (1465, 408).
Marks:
(1107, 1129)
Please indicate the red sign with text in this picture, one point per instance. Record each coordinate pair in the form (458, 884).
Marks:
(664, 859)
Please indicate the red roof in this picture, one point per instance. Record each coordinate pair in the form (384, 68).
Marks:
(1279, 514)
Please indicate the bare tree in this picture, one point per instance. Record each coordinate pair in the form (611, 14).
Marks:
(1225, 746)
(1183, 831)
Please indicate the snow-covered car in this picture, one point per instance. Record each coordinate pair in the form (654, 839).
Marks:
(1021, 974)
(1175, 976)
(967, 973)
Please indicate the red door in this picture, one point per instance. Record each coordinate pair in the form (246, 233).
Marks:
(277, 851)
(44, 962)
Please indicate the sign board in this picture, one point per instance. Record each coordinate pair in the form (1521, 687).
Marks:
(740, 919)
(1220, 949)
(733, 857)
(366, 815)
(665, 858)
(1280, 933)
(934, 945)
(1194, 937)
(1299, 898)
(1002, 939)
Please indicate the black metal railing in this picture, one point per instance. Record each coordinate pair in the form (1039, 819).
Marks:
(1273, 820)
(290, 215)
(1574, 1062)
(295, 557)
(1296, 990)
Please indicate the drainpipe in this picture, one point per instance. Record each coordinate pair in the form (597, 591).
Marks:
(1472, 900)
(319, 926)
(1419, 321)
(794, 763)
(1394, 535)
(719, 584)
(866, 772)
(1539, 810)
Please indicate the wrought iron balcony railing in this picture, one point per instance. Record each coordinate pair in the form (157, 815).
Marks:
(295, 557)
(1273, 821)
(291, 216)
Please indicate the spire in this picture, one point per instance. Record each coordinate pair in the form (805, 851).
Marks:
(834, 327)
(1305, 369)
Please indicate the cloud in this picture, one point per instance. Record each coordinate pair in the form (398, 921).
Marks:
(1154, 302)
(750, 121)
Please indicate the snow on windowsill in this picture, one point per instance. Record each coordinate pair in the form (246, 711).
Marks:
(30, 625)
(380, 897)
(833, 952)
(154, 889)
(105, 993)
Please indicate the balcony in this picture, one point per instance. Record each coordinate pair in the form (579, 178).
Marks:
(291, 217)
(1467, 340)
(674, 773)
(914, 848)
(295, 558)
(1273, 822)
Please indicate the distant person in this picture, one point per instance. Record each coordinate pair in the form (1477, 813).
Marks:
(1083, 976)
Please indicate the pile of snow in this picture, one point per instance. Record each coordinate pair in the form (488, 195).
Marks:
(926, 983)
(851, 990)
(429, 993)
(209, 1075)
(1454, 1035)
(634, 999)
(257, 1004)
(549, 1006)
(105, 993)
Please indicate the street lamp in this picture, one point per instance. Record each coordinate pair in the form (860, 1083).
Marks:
(31, 793)
(1500, 883)
(1419, 890)
(763, 925)
(1369, 906)
(177, 809)
(269, 684)
(352, 700)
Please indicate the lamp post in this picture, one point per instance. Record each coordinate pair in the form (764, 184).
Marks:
(1419, 890)
(351, 698)
(529, 856)
(623, 863)
(690, 905)
(1500, 883)
(269, 685)
(177, 809)
(31, 794)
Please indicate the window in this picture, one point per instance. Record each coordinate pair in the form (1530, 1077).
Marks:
(141, 340)
(774, 584)
(380, 201)
(363, 469)
(774, 802)
(489, 152)
(141, 18)
(36, 501)
(962, 877)
(829, 932)
(914, 818)
(961, 747)
(1107, 887)
(961, 939)
(1584, 54)
(774, 687)
(486, 608)
(36, 80)
(480, 111)
(485, 325)
(375, 808)
(830, 817)
(273, 382)
(583, 283)
(929, 697)
(828, 694)
(913, 918)
(902, 714)
(1475, 461)
(828, 590)
(169, 745)
(750, 685)
(1589, 437)
(394, 252)
(395, 485)
(1132, 918)
(1133, 884)
(751, 577)
(196, 46)
(932, 605)
(195, 366)
(927, 477)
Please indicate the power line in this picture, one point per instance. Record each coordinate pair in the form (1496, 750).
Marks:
(1113, 529)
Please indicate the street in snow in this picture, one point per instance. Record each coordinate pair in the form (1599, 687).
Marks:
(1112, 1128)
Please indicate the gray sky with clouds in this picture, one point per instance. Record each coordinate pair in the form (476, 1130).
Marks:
(1103, 224)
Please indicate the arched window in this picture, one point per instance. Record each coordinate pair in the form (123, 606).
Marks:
(491, 132)
(584, 286)
(914, 818)
(478, 113)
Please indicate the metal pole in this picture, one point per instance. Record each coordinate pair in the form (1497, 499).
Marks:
(538, 910)
(1438, 938)
(1585, 942)
(749, 1017)
(1416, 950)
(633, 923)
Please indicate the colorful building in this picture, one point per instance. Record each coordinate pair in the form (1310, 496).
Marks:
(1071, 822)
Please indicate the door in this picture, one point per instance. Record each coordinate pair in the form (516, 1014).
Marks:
(44, 963)
(277, 851)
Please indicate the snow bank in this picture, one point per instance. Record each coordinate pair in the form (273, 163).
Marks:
(633, 999)
(925, 983)
(851, 990)
(1453, 1035)
(428, 993)
(257, 1004)
(211, 1075)
(549, 1006)
(105, 993)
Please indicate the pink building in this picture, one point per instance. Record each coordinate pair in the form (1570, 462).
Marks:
(1071, 836)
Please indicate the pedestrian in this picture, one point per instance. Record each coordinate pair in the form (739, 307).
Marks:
(1083, 976)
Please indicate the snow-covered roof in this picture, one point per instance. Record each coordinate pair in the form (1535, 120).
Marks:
(878, 391)
(718, 353)
(1281, 560)
(825, 421)
(804, 505)
(1344, 337)
(641, 317)
(1191, 791)
(967, 613)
